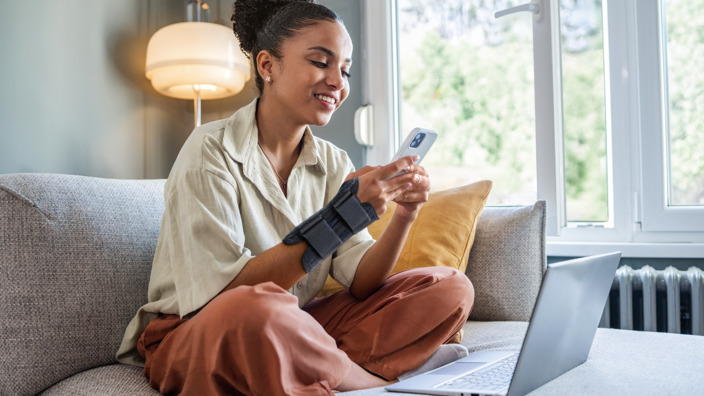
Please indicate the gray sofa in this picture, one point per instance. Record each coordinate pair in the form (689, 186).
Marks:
(75, 254)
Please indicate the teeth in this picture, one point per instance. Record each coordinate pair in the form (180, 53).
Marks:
(326, 99)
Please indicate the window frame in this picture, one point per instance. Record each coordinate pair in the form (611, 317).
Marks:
(379, 83)
(629, 134)
(657, 214)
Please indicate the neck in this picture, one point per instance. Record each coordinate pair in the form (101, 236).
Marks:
(279, 140)
(279, 136)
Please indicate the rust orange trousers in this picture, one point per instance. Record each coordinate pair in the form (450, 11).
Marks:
(255, 340)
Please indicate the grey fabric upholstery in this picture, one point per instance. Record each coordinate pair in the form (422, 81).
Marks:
(112, 380)
(76, 255)
(507, 262)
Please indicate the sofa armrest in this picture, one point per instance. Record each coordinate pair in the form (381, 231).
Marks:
(507, 262)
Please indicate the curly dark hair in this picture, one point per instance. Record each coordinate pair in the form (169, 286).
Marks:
(265, 24)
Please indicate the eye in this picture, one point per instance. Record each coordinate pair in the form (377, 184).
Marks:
(321, 65)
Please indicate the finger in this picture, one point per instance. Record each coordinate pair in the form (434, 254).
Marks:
(397, 166)
(412, 197)
(366, 169)
(413, 193)
(402, 182)
(417, 169)
(410, 181)
(413, 174)
(361, 172)
(421, 182)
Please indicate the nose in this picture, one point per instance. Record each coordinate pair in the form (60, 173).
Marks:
(335, 80)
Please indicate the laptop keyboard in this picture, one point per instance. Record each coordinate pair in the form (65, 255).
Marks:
(491, 378)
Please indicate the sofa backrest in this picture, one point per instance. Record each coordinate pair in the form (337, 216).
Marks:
(507, 262)
(75, 259)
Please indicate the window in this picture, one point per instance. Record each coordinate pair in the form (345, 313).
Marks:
(584, 111)
(470, 78)
(685, 89)
(613, 140)
(672, 129)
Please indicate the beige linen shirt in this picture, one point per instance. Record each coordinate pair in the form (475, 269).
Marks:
(224, 206)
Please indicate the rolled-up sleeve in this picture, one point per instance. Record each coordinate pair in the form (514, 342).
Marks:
(346, 260)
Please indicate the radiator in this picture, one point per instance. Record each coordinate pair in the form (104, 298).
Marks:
(666, 301)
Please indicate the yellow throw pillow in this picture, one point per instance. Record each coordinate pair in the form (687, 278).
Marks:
(441, 235)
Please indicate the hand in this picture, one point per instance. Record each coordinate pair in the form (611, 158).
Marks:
(377, 189)
(414, 194)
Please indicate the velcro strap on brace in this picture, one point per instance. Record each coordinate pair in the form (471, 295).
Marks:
(320, 236)
(351, 211)
(330, 227)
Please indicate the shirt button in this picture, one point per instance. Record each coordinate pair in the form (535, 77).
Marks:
(299, 285)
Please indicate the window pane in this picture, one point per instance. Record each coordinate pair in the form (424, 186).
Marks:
(685, 82)
(583, 99)
(470, 77)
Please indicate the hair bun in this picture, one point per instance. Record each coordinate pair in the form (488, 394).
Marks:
(250, 17)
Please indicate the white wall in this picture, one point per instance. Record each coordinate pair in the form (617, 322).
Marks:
(340, 130)
(74, 98)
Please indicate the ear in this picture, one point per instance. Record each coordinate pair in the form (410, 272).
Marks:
(265, 63)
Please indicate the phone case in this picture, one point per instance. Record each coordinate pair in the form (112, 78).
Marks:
(418, 142)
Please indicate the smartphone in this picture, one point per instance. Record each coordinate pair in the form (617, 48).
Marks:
(418, 142)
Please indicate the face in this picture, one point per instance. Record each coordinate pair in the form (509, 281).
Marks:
(310, 79)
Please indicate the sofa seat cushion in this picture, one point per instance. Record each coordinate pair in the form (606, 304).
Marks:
(111, 380)
(500, 336)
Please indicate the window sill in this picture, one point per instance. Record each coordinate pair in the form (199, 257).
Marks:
(640, 250)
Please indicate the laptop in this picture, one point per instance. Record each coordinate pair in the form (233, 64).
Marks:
(560, 334)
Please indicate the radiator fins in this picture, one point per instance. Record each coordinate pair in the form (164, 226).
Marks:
(646, 299)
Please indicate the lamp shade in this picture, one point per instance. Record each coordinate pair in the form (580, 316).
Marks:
(196, 56)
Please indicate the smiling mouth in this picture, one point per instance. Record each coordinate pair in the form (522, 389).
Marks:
(326, 99)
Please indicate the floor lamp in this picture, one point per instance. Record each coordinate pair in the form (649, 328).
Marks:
(196, 60)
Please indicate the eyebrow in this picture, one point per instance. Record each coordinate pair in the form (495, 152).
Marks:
(328, 51)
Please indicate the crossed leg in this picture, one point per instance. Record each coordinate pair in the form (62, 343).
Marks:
(256, 340)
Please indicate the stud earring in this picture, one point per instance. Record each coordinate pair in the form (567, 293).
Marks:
(268, 79)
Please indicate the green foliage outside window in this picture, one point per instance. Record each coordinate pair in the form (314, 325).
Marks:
(470, 77)
(685, 50)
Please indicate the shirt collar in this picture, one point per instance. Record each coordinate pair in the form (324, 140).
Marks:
(242, 136)
(310, 155)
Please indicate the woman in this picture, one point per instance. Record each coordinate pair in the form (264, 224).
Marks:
(231, 295)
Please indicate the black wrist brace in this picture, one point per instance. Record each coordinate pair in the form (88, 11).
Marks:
(327, 229)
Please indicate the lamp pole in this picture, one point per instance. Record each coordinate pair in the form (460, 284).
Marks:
(196, 104)
(197, 11)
